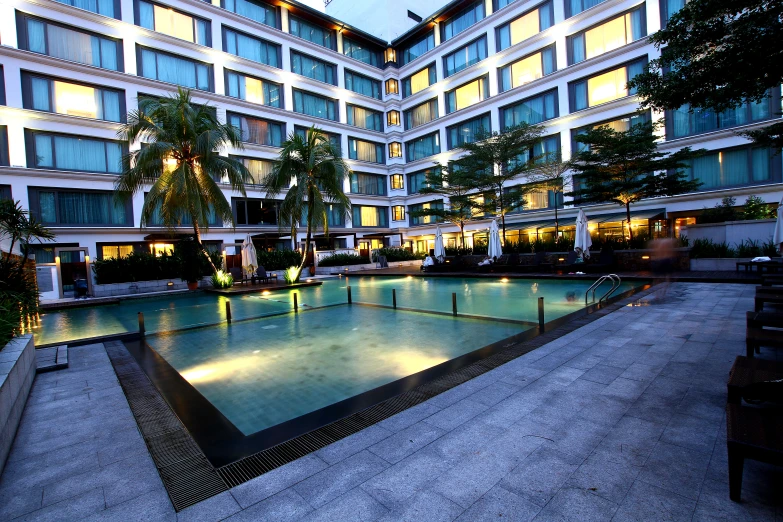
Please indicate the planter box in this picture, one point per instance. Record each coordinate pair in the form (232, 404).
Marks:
(17, 371)
(717, 264)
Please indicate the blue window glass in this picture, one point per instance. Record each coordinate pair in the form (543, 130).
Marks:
(682, 122)
(315, 105)
(466, 131)
(421, 114)
(62, 207)
(313, 68)
(252, 89)
(466, 56)
(68, 152)
(422, 147)
(363, 117)
(251, 48)
(110, 8)
(174, 69)
(312, 32)
(669, 8)
(365, 151)
(574, 7)
(735, 167)
(362, 52)
(425, 220)
(417, 181)
(257, 130)
(334, 139)
(361, 84)
(258, 11)
(368, 184)
(530, 110)
(418, 48)
(462, 20)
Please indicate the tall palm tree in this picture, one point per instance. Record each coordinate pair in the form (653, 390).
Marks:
(180, 162)
(318, 172)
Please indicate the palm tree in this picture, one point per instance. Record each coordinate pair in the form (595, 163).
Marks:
(180, 162)
(318, 172)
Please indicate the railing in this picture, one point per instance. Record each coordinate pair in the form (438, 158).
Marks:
(614, 278)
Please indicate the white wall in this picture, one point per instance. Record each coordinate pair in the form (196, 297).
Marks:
(386, 19)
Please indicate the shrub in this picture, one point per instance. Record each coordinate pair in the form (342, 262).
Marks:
(749, 248)
(146, 266)
(291, 274)
(18, 297)
(279, 259)
(756, 208)
(398, 254)
(342, 260)
(708, 248)
(221, 279)
(724, 211)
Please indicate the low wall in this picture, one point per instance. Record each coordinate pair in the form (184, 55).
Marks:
(324, 270)
(732, 232)
(143, 287)
(717, 264)
(17, 371)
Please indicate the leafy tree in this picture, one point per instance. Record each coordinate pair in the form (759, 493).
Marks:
(756, 208)
(457, 184)
(721, 212)
(717, 54)
(318, 173)
(180, 162)
(19, 226)
(496, 159)
(553, 174)
(621, 166)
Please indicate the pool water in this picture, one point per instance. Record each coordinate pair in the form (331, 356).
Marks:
(515, 299)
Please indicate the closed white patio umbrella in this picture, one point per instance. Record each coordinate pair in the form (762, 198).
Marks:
(777, 237)
(582, 242)
(249, 257)
(494, 248)
(440, 250)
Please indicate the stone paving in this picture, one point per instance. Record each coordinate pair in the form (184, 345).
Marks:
(622, 419)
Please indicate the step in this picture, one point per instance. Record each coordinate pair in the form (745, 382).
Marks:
(51, 359)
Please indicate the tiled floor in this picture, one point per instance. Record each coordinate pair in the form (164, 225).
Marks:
(622, 419)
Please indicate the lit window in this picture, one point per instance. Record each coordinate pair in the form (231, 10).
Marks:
(116, 251)
(607, 87)
(420, 81)
(467, 95)
(397, 182)
(160, 249)
(369, 217)
(607, 36)
(524, 27)
(527, 25)
(537, 199)
(393, 118)
(392, 86)
(395, 149)
(75, 100)
(398, 213)
(528, 69)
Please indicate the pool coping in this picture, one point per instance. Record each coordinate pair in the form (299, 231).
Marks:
(254, 465)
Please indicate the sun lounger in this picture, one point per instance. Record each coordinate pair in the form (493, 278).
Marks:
(261, 274)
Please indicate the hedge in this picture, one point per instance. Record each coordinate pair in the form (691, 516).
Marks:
(343, 260)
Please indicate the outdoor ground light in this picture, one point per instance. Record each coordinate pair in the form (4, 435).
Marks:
(645, 257)
(504, 280)
(266, 292)
(170, 284)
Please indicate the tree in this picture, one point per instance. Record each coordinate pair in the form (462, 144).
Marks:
(553, 174)
(318, 173)
(457, 184)
(180, 162)
(756, 208)
(623, 167)
(495, 159)
(718, 55)
(19, 226)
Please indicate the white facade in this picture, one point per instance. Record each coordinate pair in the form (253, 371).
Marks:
(386, 19)
(25, 180)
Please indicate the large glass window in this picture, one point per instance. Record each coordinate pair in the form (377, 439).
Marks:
(184, 219)
(62, 207)
(166, 20)
(47, 150)
(421, 114)
(60, 41)
(313, 68)
(334, 139)
(251, 48)
(422, 147)
(619, 125)
(463, 58)
(574, 7)
(682, 122)
(541, 151)
(365, 150)
(419, 81)
(466, 131)
(257, 130)
(500, 4)
(362, 52)
(417, 181)
(529, 24)
(5, 160)
(254, 90)
(668, 8)
(363, 117)
(607, 36)
(43, 93)
(604, 87)
(468, 94)
(258, 11)
(312, 32)
(110, 8)
(461, 21)
(528, 69)
(368, 184)
(418, 47)
(255, 211)
(530, 110)
(366, 216)
(735, 167)
(397, 181)
(258, 168)
(315, 105)
(174, 69)
(362, 84)
(536, 198)
(425, 220)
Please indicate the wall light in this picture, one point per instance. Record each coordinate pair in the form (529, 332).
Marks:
(504, 280)
(645, 257)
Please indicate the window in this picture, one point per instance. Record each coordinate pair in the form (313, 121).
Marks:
(365, 216)
(116, 251)
(529, 24)
(315, 105)
(334, 139)
(47, 150)
(669, 8)
(365, 150)
(393, 118)
(536, 198)
(681, 123)
(256, 130)
(419, 81)
(364, 118)
(395, 149)
(398, 213)
(166, 20)
(255, 90)
(251, 48)
(5, 160)
(620, 125)
(312, 32)
(527, 69)
(60, 41)
(418, 48)
(362, 52)
(5, 192)
(424, 220)
(542, 150)
(368, 184)
(421, 114)
(255, 212)
(467, 94)
(417, 181)
(466, 131)
(392, 86)
(335, 216)
(500, 4)
(259, 168)
(110, 8)
(422, 147)
(184, 219)
(604, 87)
(574, 7)
(607, 36)
(735, 167)
(397, 182)
(258, 11)
(2, 85)
(62, 207)
(174, 69)
(43, 93)
(362, 84)
(530, 110)
(313, 68)
(463, 58)
(462, 20)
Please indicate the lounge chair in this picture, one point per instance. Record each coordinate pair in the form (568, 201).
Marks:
(237, 274)
(261, 274)
(538, 264)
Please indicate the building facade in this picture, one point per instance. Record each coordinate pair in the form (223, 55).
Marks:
(72, 69)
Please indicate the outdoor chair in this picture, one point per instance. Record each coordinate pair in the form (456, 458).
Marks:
(768, 295)
(237, 274)
(748, 378)
(261, 274)
(538, 264)
(758, 333)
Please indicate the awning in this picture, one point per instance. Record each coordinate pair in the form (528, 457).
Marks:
(617, 217)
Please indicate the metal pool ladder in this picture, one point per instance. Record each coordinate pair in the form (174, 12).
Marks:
(614, 278)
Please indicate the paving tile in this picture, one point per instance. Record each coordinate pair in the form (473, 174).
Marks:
(218, 507)
(428, 506)
(647, 502)
(676, 469)
(352, 444)
(691, 432)
(521, 377)
(465, 439)
(578, 505)
(602, 373)
(641, 372)
(403, 443)
(454, 415)
(409, 417)
(757, 503)
(626, 389)
(630, 441)
(339, 478)
(282, 507)
(500, 504)
(494, 393)
(77, 508)
(16, 503)
(540, 476)
(609, 480)
(355, 505)
(278, 479)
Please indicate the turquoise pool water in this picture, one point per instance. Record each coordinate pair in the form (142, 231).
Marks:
(516, 299)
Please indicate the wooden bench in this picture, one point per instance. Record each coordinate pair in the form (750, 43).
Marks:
(746, 371)
(751, 433)
(760, 266)
(758, 333)
(767, 294)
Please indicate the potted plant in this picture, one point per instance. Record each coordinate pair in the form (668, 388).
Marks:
(190, 262)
